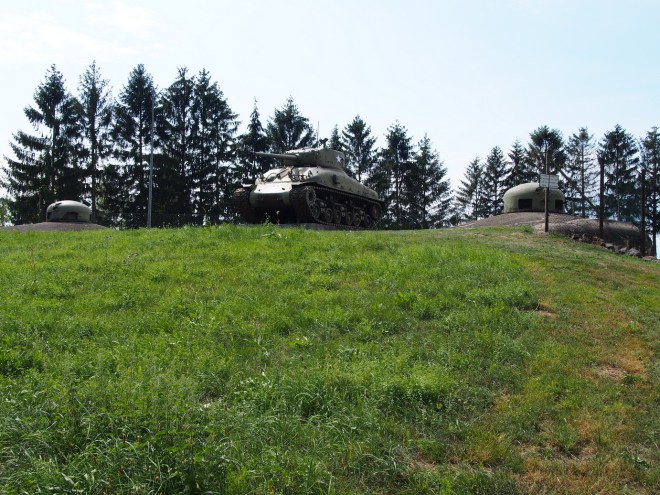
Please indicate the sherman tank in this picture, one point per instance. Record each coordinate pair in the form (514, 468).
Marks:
(311, 186)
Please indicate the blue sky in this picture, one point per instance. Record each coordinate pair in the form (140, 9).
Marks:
(470, 74)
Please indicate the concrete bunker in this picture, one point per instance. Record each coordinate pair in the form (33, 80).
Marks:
(531, 197)
(68, 211)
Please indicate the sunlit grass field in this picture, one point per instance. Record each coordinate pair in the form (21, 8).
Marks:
(275, 360)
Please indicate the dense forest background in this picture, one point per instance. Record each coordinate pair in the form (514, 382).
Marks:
(97, 148)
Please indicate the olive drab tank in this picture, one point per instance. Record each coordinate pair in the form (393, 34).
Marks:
(311, 186)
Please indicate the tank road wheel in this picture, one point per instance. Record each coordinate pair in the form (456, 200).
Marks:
(348, 217)
(336, 215)
(357, 217)
(327, 215)
(326, 212)
(368, 222)
(315, 211)
(312, 203)
(305, 204)
(310, 195)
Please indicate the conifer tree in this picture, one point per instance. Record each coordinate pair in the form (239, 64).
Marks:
(358, 144)
(288, 129)
(46, 167)
(581, 168)
(546, 146)
(619, 154)
(213, 151)
(5, 216)
(113, 195)
(254, 140)
(426, 189)
(651, 163)
(387, 176)
(493, 177)
(175, 134)
(454, 213)
(520, 169)
(335, 141)
(469, 195)
(95, 118)
(132, 136)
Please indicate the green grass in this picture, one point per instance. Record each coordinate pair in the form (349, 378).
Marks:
(267, 360)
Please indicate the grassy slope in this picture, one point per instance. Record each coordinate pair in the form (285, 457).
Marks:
(265, 360)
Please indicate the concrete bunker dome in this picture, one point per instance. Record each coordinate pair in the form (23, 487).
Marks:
(531, 197)
(68, 211)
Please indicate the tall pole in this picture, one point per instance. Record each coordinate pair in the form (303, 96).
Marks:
(547, 190)
(151, 165)
(601, 206)
(642, 226)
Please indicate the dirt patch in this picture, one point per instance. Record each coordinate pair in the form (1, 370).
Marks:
(420, 463)
(611, 372)
(634, 356)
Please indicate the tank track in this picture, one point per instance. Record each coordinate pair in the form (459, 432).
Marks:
(325, 206)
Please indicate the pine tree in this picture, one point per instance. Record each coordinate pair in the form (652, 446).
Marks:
(469, 195)
(581, 168)
(95, 117)
(132, 136)
(619, 154)
(358, 144)
(651, 163)
(426, 189)
(113, 195)
(546, 150)
(387, 176)
(454, 212)
(335, 140)
(521, 170)
(493, 177)
(213, 151)
(288, 129)
(46, 167)
(5, 216)
(175, 133)
(253, 141)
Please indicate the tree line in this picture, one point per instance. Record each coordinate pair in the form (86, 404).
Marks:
(99, 149)
(611, 178)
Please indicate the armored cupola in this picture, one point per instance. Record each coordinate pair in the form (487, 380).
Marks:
(531, 197)
(68, 211)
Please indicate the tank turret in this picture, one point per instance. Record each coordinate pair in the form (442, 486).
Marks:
(319, 157)
(311, 186)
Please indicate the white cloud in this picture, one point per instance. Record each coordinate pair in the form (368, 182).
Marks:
(39, 38)
(69, 30)
(116, 15)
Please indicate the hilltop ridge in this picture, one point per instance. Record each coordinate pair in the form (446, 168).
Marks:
(257, 360)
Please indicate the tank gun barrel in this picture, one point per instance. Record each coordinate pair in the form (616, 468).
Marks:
(277, 155)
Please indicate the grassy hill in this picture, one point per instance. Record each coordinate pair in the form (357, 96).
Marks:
(268, 360)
